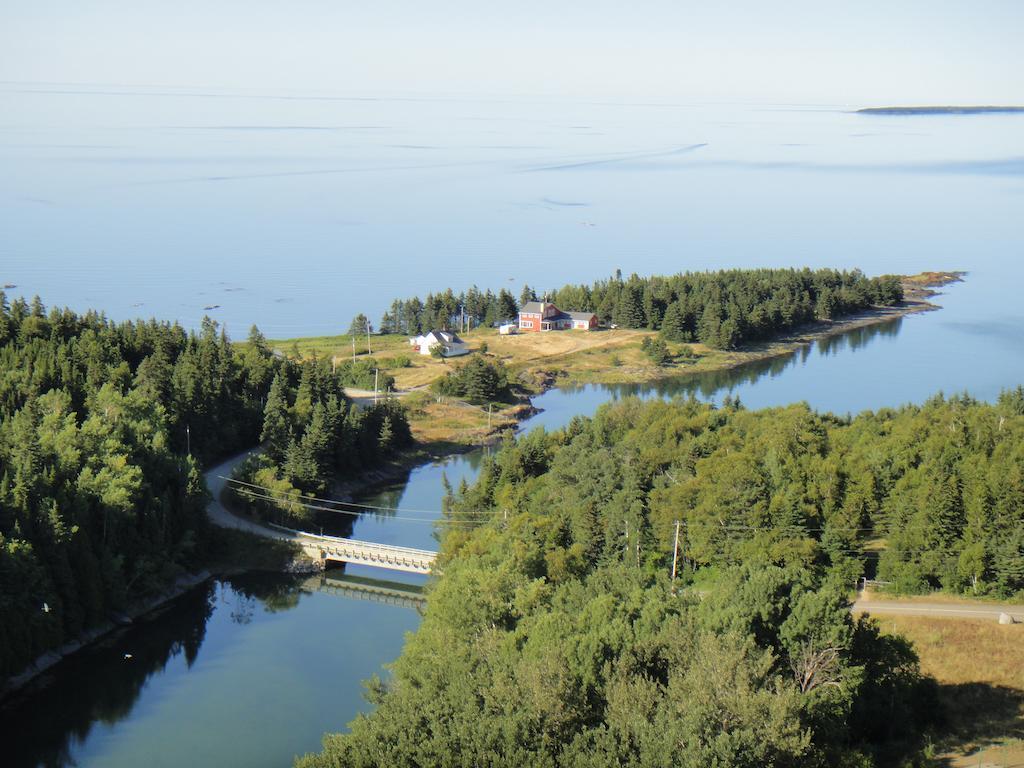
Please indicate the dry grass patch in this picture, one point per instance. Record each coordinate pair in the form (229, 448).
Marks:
(385, 351)
(932, 279)
(979, 665)
(585, 356)
(437, 421)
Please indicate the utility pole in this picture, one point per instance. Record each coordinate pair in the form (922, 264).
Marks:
(368, 351)
(675, 554)
(375, 372)
(188, 439)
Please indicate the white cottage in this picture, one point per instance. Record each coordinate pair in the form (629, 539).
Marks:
(451, 345)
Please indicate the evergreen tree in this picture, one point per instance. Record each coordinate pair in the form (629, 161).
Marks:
(709, 330)
(276, 433)
(360, 325)
(507, 308)
(673, 325)
(629, 312)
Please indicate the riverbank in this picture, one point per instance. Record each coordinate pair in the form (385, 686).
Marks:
(137, 611)
(626, 364)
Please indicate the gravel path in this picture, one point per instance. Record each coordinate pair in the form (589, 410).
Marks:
(949, 610)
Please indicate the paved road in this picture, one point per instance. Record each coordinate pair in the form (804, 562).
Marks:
(220, 516)
(938, 609)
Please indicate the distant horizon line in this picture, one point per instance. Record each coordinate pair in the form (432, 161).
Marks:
(420, 94)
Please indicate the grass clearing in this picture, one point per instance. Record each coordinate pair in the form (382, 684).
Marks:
(608, 356)
(979, 665)
(581, 356)
(437, 422)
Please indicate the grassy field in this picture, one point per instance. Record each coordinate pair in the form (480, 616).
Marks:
(932, 279)
(442, 424)
(608, 356)
(979, 665)
(605, 356)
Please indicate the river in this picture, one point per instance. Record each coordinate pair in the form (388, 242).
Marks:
(252, 670)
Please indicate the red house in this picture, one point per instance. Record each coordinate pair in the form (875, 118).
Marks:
(539, 316)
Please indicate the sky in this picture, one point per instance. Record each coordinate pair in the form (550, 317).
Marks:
(870, 52)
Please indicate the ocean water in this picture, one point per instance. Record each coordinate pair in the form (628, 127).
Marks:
(296, 211)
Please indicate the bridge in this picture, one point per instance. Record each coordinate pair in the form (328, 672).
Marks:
(335, 549)
(384, 592)
(323, 549)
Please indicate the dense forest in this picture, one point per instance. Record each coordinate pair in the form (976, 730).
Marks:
(721, 309)
(103, 430)
(312, 435)
(557, 637)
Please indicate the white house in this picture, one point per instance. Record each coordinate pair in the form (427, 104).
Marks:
(451, 345)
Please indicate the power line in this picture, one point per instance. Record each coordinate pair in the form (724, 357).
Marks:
(334, 501)
(353, 513)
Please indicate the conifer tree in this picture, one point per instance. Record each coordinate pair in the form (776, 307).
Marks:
(276, 432)
(673, 325)
(360, 324)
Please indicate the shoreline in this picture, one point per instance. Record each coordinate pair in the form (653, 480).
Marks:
(916, 301)
(137, 612)
(800, 337)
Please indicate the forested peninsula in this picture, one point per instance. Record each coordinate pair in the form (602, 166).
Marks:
(104, 428)
(651, 329)
(723, 309)
(557, 637)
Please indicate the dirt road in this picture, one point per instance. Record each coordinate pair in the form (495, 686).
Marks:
(938, 609)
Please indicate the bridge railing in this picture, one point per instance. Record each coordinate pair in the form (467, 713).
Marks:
(340, 540)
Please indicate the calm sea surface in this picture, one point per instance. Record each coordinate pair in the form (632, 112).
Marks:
(297, 211)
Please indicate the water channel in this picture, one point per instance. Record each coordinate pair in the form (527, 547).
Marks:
(252, 670)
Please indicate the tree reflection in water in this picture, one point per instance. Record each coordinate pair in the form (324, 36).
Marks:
(43, 724)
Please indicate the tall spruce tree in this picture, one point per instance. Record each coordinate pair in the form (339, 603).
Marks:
(276, 433)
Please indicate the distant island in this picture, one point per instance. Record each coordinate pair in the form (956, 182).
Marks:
(947, 110)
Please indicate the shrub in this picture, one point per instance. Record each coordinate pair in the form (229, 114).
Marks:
(398, 361)
(656, 350)
(478, 380)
